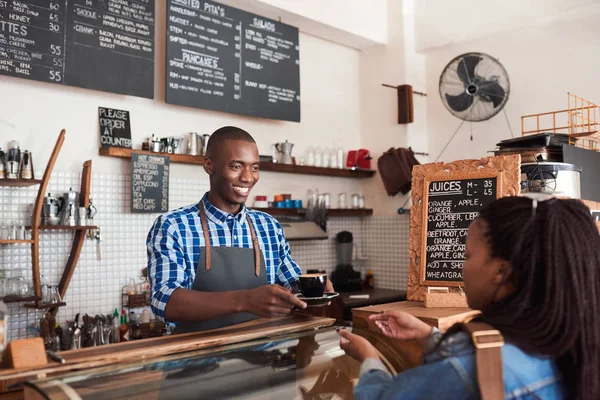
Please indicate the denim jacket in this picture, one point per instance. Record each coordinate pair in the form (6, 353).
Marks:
(449, 372)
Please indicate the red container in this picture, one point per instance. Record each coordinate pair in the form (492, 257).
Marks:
(360, 158)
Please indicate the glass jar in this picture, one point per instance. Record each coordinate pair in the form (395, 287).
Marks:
(17, 284)
(3, 281)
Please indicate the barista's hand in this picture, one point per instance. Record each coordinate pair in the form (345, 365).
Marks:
(356, 346)
(402, 326)
(270, 301)
(329, 287)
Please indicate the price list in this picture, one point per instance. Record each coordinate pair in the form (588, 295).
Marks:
(226, 59)
(105, 45)
(149, 183)
(451, 207)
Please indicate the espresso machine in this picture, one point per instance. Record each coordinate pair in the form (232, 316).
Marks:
(345, 278)
(51, 210)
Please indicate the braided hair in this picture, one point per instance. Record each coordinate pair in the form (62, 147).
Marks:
(554, 250)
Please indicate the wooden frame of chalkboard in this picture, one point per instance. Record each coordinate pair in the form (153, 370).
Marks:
(460, 188)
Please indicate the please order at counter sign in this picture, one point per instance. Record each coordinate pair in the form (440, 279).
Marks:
(115, 128)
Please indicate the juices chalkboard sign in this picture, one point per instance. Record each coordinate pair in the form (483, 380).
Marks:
(446, 198)
(451, 207)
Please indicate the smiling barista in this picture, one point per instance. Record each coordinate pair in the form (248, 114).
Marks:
(238, 269)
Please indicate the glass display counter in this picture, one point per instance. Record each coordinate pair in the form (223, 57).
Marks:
(305, 365)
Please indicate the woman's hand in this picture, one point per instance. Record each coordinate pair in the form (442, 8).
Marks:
(402, 326)
(356, 346)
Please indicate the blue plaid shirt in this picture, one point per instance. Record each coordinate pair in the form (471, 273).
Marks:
(173, 247)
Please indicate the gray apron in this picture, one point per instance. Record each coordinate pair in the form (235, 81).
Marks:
(222, 269)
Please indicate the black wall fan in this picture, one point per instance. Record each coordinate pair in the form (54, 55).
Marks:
(474, 87)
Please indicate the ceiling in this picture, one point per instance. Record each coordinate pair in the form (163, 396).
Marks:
(442, 22)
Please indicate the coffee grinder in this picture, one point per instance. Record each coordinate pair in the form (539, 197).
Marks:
(345, 278)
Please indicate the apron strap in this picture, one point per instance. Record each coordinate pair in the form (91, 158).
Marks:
(206, 233)
(256, 248)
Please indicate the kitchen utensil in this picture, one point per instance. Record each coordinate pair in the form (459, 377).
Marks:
(26, 167)
(13, 160)
(70, 210)
(193, 144)
(51, 209)
(176, 143)
(285, 152)
(312, 285)
(204, 144)
(318, 301)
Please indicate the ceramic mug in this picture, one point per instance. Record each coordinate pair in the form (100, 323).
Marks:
(313, 285)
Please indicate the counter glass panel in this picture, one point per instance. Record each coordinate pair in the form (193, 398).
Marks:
(305, 365)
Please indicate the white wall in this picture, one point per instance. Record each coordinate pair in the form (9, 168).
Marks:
(330, 111)
(355, 23)
(394, 64)
(543, 62)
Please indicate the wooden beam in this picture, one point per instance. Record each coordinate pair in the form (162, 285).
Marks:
(79, 237)
(37, 215)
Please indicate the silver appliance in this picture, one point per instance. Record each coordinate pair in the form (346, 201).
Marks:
(70, 210)
(51, 209)
(204, 144)
(552, 178)
(285, 152)
(193, 144)
(302, 230)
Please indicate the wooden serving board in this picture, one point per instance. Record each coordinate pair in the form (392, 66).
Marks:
(441, 318)
(152, 348)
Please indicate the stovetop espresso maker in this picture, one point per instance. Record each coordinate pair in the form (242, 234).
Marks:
(70, 208)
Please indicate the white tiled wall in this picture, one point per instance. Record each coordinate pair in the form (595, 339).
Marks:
(96, 285)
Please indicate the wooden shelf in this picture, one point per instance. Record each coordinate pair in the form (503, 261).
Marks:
(20, 182)
(264, 166)
(19, 299)
(126, 153)
(306, 170)
(332, 212)
(45, 306)
(16, 241)
(65, 227)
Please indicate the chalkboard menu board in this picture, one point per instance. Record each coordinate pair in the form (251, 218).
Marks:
(149, 183)
(225, 59)
(446, 198)
(452, 206)
(115, 128)
(105, 45)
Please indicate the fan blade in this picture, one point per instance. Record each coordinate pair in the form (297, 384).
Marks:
(466, 68)
(460, 102)
(492, 91)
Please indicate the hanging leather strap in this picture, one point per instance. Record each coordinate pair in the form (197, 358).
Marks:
(488, 344)
(255, 246)
(206, 233)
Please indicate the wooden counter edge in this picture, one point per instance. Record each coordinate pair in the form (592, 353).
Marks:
(153, 348)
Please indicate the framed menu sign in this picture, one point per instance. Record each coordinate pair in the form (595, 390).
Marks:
(149, 183)
(446, 198)
(225, 59)
(105, 45)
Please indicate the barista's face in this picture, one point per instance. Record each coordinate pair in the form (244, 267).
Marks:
(233, 171)
(485, 277)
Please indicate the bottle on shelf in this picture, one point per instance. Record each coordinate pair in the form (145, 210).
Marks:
(369, 281)
(124, 328)
(116, 327)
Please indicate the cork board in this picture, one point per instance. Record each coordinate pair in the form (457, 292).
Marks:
(446, 197)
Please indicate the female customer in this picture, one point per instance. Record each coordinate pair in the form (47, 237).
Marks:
(533, 269)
